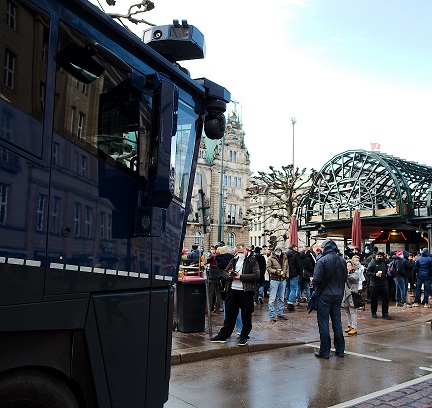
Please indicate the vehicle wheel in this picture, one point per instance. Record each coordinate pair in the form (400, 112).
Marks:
(35, 389)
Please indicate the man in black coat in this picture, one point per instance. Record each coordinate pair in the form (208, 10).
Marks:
(331, 274)
(377, 272)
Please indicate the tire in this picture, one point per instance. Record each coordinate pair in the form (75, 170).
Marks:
(35, 389)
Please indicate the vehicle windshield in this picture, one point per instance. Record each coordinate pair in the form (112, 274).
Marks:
(182, 146)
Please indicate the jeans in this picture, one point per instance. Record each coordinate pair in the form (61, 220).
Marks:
(330, 307)
(259, 293)
(400, 295)
(277, 290)
(421, 279)
(291, 289)
(239, 323)
(304, 285)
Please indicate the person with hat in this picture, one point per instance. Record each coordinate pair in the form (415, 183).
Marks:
(277, 267)
(377, 271)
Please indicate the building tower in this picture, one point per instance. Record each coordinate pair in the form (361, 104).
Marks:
(234, 163)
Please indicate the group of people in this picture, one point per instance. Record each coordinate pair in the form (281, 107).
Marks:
(240, 278)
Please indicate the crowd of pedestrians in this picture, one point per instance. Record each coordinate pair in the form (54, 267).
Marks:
(239, 280)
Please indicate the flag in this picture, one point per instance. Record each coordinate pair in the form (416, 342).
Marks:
(375, 146)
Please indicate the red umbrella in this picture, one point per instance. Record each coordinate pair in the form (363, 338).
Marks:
(293, 238)
(356, 233)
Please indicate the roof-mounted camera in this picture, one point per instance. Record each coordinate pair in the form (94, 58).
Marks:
(176, 41)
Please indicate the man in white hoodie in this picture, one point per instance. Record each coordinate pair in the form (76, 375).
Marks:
(242, 273)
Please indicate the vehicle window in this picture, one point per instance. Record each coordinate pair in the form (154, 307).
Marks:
(97, 105)
(23, 54)
(182, 146)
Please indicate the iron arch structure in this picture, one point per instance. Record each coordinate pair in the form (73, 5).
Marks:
(388, 191)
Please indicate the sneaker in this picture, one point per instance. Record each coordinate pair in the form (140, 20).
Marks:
(217, 339)
(260, 300)
(415, 304)
(407, 304)
(273, 319)
(426, 305)
(374, 315)
(352, 332)
(399, 304)
(348, 329)
(242, 342)
(282, 317)
(386, 316)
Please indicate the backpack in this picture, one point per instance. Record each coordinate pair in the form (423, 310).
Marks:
(392, 269)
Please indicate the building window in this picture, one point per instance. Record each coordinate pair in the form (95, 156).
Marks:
(77, 220)
(11, 15)
(84, 166)
(231, 240)
(6, 125)
(4, 189)
(197, 238)
(55, 215)
(88, 223)
(72, 121)
(42, 91)
(231, 213)
(40, 211)
(109, 226)
(9, 69)
(102, 225)
(232, 156)
(80, 128)
(55, 153)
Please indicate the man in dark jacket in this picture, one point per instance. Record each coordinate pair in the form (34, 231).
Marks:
(377, 272)
(331, 272)
(259, 294)
(308, 264)
(242, 273)
(193, 257)
(423, 268)
(401, 268)
(294, 271)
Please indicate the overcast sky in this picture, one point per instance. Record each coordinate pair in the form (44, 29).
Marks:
(352, 72)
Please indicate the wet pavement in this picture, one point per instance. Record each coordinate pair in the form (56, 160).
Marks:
(299, 328)
(301, 333)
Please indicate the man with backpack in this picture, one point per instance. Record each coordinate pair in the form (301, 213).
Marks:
(398, 269)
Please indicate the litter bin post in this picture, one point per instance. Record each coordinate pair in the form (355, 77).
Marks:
(191, 304)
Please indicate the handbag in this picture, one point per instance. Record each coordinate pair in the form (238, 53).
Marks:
(357, 300)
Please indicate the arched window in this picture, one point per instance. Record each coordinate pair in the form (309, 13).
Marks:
(231, 240)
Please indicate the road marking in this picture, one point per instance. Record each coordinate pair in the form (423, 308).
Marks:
(355, 354)
(426, 368)
(382, 392)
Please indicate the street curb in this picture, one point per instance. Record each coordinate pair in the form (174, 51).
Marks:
(194, 354)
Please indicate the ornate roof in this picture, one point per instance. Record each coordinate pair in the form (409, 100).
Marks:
(377, 184)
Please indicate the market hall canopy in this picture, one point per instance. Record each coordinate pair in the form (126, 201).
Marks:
(389, 192)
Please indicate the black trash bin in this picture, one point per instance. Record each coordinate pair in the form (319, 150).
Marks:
(191, 304)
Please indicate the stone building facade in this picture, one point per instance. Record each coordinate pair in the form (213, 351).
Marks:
(228, 194)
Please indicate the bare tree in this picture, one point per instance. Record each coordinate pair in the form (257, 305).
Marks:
(134, 9)
(278, 194)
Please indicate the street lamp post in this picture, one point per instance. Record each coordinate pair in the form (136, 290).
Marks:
(293, 121)
(221, 196)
